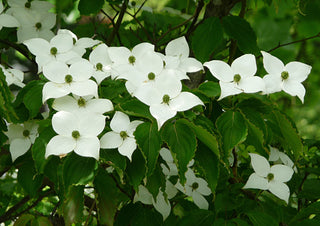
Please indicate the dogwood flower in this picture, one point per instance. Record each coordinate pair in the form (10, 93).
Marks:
(280, 157)
(75, 133)
(121, 136)
(285, 77)
(237, 78)
(13, 76)
(7, 20)
(195, 187)
(82, 105)
(65, 80)
(99, 57)
(21, 137)
(269, 178)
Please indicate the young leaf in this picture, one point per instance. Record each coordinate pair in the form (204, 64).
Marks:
(33, 98)
(149, 141)
(182, 143)
(232, 128)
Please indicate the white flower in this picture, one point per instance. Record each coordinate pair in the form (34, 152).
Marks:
(76, 133)
(177, 57)
(285, 77)
(21, 137)
(195, 187)
(7, 20)
(99, 57)
(237, 78)
(60, 48)
(121, 136)
(13, 76)
(280, 157)
(82, 105)
(65, 80)
(269, 178)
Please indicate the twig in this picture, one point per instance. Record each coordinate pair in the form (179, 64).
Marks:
(19, 49)
(140, 7)
(118, 23)
(195, 18)
(143, 28)
(90, 212)
(7, 215)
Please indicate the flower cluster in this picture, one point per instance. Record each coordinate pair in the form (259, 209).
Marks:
(239, 77)
(194, 187)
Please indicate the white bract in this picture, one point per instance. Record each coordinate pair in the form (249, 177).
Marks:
(285, 77)
(7, 20)
(195, 187)
(66, 79)
(82, 105)
(13, 76)
(237, 78)
(121, 136)
(280, 157)
(269, 178)
(76, 133)
(21, 137)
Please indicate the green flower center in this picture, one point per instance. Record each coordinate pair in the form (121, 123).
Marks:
(194, 186)
(166, 99)
(27, 5)
(236, 78)
(284, 75)
(151, 76)
(132, 59)
(53, 51)
(81, 102)
(38, 25)
(123, 134)
(26, 133)
(75, 134)
(270, 177)
(99, 66)
(68, 78)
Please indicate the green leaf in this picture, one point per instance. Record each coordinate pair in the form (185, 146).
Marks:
(240, 30)
(262, 219)
(204, 136)
(114, 158)
(290, 134)
(136, 170)
(39, 148)
(87, 7)
(33, 98)
(198, 217)
(310, 189)
(209, 32)
(210, 89)
(73, 206)
(23, 220)
(28, 178)
(209, 163)
(149, 141)
(232, 128)
(136, 108)
(107, 201)
(182, 143)
(155, 181)
(78, 170)
(304, 213)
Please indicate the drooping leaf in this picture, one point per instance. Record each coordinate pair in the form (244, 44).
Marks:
(209, 32)
(136, 170)
(240, 30)
(33, 98)
(149, 141)
(108, 197)
(232, 128)
(73, 205)
(182, 142)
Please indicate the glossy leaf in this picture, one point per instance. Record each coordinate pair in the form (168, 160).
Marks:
(73, 206)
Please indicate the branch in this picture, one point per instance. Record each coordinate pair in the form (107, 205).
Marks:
(119, 21)
(143, 28)
(290, 43)
(19, 49)
(7, 215)
(196, 15)
(140, 7)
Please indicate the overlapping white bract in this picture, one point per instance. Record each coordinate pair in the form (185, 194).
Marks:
(7, 20)
(13, 76)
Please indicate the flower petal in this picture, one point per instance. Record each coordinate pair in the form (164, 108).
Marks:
(190, 65)
(245, 65)
(203, 186)
(282, 173)
(60, 145)
(274, 154)
(228, 89)
(200, 201)
(110, 140)
(81, 70)
(54, 90)
(99, 106)
(272, 83)
(178, 47)
(8, 21)
(120, 122)
(63, 42)
(162, 205)
(294, 89)
(162, 112)
(84, 88)
(221, 70)
(272, 64)
(256, 182)
(184, 101)
(56, 71)
(132, 127)
(141, 49)
(66, 103)
(298, 71)
(252, 84)
(128, 147)
(143, 195)
(38, 46)
(64, 123)
(260, 164)
(88, 147)
(91, 124)
(280, 190)
(119, 55)
(19, 147)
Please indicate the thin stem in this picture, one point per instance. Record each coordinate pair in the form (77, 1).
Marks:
(19, 49)
(140, 7)
(195, 18)
(90, 212)
(7, 215)
(143, 28)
